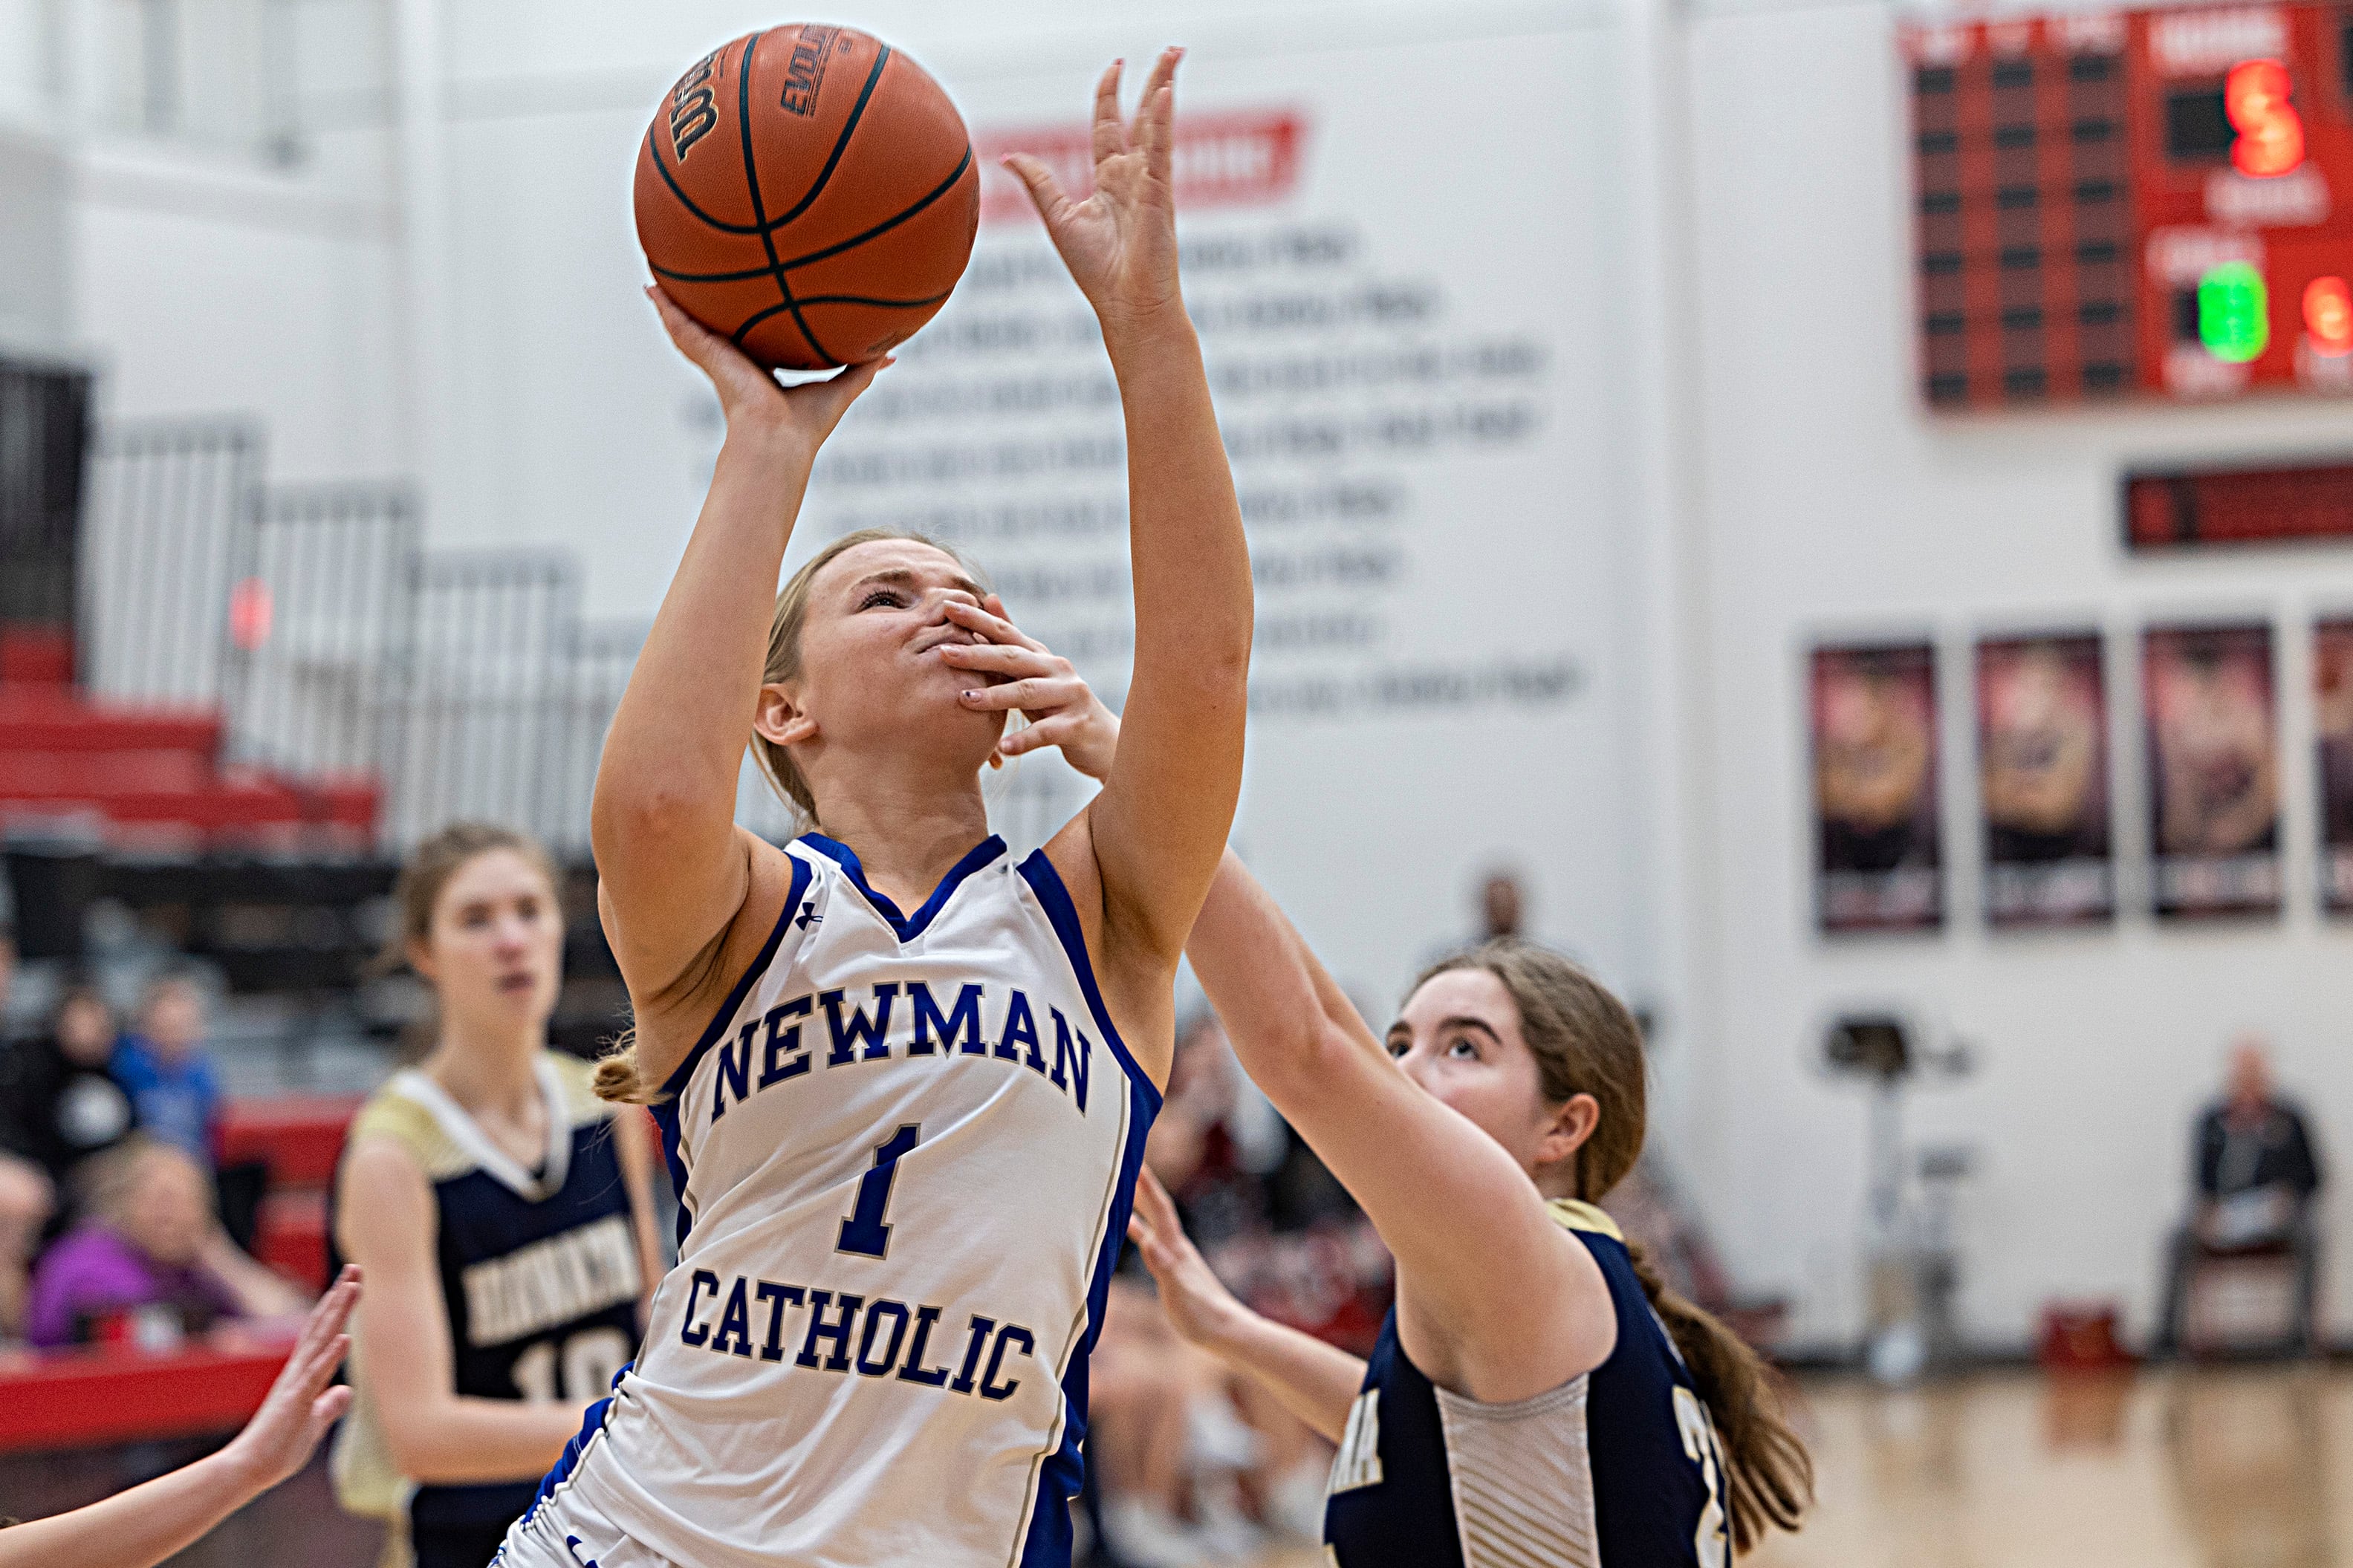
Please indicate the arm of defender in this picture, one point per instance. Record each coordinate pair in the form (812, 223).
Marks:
(662, 820)
(1157, 829)
(1475, 1249)
(436, 1434)
(1314, 1381)
(142, 1526)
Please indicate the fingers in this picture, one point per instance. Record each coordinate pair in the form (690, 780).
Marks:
(1109, 139)
(694, 340)
(1155, 112)
(989, 620)
(1151, 1201)
(1043, 735)
(732, 374)
(1045, 190)
(1012, 694)
(1003, 659)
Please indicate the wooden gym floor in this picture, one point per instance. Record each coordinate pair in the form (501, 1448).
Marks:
(2215, 1468)
(2218, 1467)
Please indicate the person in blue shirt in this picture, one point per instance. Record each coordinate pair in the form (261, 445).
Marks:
(164, 1069)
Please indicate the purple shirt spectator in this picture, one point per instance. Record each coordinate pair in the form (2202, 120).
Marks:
(94, 1273)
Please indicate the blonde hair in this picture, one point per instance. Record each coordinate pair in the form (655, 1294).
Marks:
(106, 1183)
(1585, 1042)
(618, 1077)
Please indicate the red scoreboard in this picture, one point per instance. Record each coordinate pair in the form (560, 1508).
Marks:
(2122, 203)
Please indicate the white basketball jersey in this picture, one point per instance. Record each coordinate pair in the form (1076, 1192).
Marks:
(906, 1150)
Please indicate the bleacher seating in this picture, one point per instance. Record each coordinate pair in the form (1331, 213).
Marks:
(151, 774)
(299, 1138)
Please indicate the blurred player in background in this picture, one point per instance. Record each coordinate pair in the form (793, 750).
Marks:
(501, 1212)
(1538, 1396)
(892, 1069)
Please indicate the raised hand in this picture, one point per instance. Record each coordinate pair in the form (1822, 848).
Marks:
(754, 401)
(1027, 675)
(1198, 1305)
(299, 1408)
(1120, 243)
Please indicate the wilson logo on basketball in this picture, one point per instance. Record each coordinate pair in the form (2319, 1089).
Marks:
(693, 109)
(1246, 158)
(804, 72)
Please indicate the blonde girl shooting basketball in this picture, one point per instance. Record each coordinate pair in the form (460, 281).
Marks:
(903, 1084)
(1537, 1397)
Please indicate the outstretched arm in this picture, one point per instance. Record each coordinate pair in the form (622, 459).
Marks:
(142, 1526)
(1316, 1382)
(663, 818)
(1158, 827)
(1479, 1260)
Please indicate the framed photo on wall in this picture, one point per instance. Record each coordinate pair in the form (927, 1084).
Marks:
(2214, 770)
(2332, 726)
(2042, 781)
(1879, 851)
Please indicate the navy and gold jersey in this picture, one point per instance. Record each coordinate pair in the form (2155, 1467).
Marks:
(540, 1281)
(1615, 1468)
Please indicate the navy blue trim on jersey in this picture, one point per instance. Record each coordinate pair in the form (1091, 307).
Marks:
(675, 1085)
(591, 1421)
(1047, 883)
(1048, 1543)
(909, 927)
(665, 1110)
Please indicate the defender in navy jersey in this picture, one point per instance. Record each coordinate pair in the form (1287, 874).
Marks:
(1538, 1397)
(500, 1213)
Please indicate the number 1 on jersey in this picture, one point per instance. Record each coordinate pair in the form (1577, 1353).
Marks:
(865, 1232)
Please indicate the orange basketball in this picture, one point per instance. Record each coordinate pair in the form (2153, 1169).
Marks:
(809, 192)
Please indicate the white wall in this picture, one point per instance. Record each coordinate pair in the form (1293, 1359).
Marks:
(1735, 463)
(1833, 504)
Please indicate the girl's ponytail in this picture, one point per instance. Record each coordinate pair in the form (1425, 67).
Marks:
(1768, 1477)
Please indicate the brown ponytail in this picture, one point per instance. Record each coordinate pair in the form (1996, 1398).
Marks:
(1585, 1042)
(1768, 1475)
(616, 1069)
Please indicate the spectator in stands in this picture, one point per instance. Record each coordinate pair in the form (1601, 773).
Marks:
(151, 1265)
(164, 1069)
(27, 1198)
(1502, 907)
(2256, 1172)
(59, 1103)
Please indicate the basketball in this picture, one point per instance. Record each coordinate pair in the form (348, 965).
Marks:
(810, 192)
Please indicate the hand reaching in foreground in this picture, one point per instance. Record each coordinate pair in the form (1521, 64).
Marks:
(141, 1527)
(1031, 679)
(1198, 1305)
(279, 1438)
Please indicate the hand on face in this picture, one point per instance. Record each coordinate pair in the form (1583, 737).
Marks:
(1027, 676)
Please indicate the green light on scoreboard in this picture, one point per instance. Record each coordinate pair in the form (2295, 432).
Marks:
(2233, 312)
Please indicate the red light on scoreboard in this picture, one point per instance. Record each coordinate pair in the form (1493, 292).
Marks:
(2328, 316)
(2270, 139)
